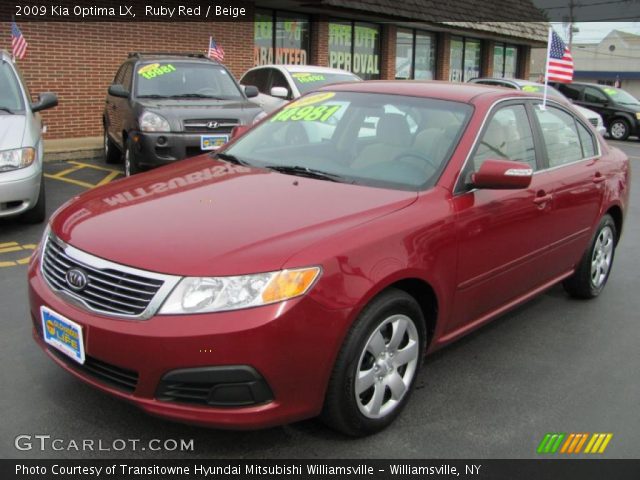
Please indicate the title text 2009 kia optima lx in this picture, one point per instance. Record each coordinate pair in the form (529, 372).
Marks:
(307, 267)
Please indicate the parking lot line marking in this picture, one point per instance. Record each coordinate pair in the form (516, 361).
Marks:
(66, 172)
(10, 249)
(8, 244)
(71, 180)
(95, 167)
(108, 178)
(15, 247)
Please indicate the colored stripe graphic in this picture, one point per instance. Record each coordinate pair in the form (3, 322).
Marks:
(574, 443)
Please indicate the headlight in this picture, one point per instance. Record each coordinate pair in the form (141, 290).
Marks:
(217, 294)
(638, 115)
(152, 122)
(259, 117)
(18, 158)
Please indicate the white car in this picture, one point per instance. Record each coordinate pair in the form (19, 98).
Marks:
(279, 84)
(528, 86)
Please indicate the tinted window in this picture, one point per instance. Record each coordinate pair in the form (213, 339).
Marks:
(570, 91)
(559, 135)
(376, 140)
(120, 74)
(257, 78)
(184, 80)
(10, 93)
(126, 79)
(279, 80)
(594, 95)
(507, 137)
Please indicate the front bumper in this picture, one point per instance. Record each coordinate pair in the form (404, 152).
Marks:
(156, 149)
(19, 190)
(289, 346)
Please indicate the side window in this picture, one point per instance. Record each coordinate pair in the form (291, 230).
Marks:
(560, 136)
(594, 95)
(507, 137)
(587, 140)
(570, 91)
(278, 80)
(126, 79)
(120, 74)
(257, 78)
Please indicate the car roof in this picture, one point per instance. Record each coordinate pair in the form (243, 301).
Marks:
(305, 68)
(460, 92)
(5, 55)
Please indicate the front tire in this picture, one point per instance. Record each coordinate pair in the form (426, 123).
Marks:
(619, 129)
(131, 167)
(111, 153)
(593, 271)
(376, 368)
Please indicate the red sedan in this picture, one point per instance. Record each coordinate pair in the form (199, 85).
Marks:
(306, 268)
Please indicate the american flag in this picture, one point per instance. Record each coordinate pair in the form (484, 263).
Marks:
(18, 42)
(559, 61)
(216, 52)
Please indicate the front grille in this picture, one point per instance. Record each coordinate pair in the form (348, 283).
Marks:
(120, 378)
(594, 121)
(108, 290)
(225, 125)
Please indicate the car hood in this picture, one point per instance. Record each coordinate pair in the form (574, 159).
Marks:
(190, 108)
(11, 131)
(203, 217)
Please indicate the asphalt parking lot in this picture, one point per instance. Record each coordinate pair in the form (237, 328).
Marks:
(553, 365)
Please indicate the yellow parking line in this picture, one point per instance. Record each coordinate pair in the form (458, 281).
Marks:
(8, 244)
(66, 172)
(95, 167)
(10, 249)
(108, 178)
(71, 180)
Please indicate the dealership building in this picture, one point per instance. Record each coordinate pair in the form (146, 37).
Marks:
(376, 39)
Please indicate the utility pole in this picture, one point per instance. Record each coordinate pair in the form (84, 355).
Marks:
(571, 5)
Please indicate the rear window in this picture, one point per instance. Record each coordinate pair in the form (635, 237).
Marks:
(178, 79)
(307, 81)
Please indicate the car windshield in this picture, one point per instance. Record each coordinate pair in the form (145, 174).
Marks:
(388, 141)
(621, 96)
(10, 93)
(539, 88)
(184, 80)
(307, 81)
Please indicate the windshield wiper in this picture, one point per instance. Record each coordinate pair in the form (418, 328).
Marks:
(194, 95)
(231, 158)
(7, 109)
(305, 172)
(153, 96)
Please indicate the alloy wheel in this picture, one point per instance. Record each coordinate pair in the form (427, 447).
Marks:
(602, 256)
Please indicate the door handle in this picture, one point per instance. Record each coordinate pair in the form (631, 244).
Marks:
(599, 178)
(542, 198)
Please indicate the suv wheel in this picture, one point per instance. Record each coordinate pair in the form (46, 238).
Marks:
(619, 129)
(131, 167)
(377, 366)
(111, 153)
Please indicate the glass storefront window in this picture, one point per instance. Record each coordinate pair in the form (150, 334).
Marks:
(280, 38)
(464, 59)
(505, 61)
(415, 55)
(355, 47)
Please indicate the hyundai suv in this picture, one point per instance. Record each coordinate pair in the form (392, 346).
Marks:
(164, 107)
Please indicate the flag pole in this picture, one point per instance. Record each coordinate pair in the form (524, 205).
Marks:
(13, 51)
(546, 70)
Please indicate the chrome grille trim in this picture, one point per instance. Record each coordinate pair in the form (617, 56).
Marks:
(594, 121)
(113, 290)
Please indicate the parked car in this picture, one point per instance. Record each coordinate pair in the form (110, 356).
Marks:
(22, 190)
(619, 109)
(533, 87)
(310, 277)
(279, 84)
(164, 107)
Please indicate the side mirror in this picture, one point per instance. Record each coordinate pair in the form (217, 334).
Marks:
(250, 91)
(45, 100)
(118, 90)
(239, 130)
(502, 175)
(279, 92)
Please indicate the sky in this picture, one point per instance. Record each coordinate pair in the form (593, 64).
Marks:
(593, 32)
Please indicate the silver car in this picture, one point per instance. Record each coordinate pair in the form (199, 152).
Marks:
(21, 149)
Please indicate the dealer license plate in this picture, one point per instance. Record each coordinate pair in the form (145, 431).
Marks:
(63, 334)
(212, 142)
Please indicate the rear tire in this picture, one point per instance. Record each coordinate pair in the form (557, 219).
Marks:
(377, 366)
(111, 153)
(39, 212)
(593, 271)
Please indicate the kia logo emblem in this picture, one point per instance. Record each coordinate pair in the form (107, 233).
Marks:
(212, 125)
(77, 279)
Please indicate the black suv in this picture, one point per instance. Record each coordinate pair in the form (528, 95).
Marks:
(163, 107)
(620, 110)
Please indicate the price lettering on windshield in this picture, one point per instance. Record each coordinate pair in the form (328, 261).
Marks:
(310, 113)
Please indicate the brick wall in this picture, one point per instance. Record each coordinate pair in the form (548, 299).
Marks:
(487, 59)
(319, 41)
(79, 60)
(443, 56)
(388, 52)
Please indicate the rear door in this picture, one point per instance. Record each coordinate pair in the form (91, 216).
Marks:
(502, 233)
(594, 99)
